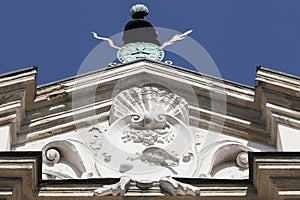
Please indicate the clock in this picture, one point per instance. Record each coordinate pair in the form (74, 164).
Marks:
(140, 50)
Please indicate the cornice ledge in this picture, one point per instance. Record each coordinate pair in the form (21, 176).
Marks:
(269, 170)
(22, 173)
(266, 166)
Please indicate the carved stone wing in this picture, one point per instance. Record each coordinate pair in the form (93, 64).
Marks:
(115, 189)
(177, 188)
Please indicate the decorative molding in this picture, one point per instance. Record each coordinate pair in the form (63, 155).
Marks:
(275, 168)
(275, 175)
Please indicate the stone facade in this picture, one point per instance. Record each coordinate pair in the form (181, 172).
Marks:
(149, 130)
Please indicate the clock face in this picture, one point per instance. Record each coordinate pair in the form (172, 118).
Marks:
(140, 50)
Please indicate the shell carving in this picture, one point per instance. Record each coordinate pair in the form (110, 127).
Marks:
(149, 103)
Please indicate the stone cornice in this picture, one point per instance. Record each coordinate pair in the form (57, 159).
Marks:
(273, 175)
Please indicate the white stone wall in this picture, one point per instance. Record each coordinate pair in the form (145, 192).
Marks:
(288, 138)
(4, 138)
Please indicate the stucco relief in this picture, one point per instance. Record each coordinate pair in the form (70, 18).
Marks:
(148, 137)
(228, 159)
(148, 130)
(149, 102)
(64, 159)
(167, 185)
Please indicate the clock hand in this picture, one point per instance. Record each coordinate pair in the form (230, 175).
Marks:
(135, 53)
(145, 53)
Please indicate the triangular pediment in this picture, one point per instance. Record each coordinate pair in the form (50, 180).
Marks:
(50, 110)
(104, 84)
(151, 116)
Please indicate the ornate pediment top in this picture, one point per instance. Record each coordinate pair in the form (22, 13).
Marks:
(148, 134)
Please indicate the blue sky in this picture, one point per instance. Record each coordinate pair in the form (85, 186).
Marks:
(238, 35)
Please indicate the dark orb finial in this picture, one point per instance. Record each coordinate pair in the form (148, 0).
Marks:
(139, 11)
(138, 29)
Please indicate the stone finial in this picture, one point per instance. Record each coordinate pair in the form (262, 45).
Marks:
(139, 11)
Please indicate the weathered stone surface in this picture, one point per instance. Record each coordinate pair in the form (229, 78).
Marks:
(70, 122)
(275, 176)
